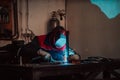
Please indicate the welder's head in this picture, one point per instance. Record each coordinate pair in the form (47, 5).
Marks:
(61, 41)
(57, 38)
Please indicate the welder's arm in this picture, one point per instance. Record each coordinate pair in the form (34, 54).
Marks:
(44, 54)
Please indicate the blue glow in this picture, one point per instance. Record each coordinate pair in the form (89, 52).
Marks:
(71, 52)
(111, 8)
(61, 41)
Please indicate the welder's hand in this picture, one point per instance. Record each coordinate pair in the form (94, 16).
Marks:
(74, 58)
(43, 53)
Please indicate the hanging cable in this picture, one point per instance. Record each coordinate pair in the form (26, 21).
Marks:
(15, 33)
(28, 32)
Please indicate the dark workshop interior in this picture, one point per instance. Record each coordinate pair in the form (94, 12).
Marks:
(60, 39)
